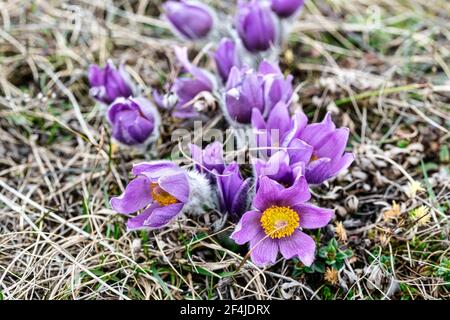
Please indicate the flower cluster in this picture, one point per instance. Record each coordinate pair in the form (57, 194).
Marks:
(134, 119)
(271, 202)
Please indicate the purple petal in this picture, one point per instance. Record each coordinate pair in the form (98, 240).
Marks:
(318, 171)
(342, 163)
(296, 194)
(264, 250)
(156, 169)
(314, 134)
(298, 244)
(247, 228)
(299, 151)
(312, 217)
(161, 216)
(279, 120)
(176, 185)
(138, 222)
(267, 195)
(136, 196)
(334, 144)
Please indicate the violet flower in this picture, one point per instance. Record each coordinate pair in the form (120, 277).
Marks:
(226, 57)
(277, 88)
(328, 157)
(280, 132)
(256, 25)
(244, 92)
(286, 8)
(163, 190)
(209, 159)
(109, 83)
(232, 189)
(193, 20)
(134, 121)
(160, 187)
(279, 169)
(192, 82)
(276, 223)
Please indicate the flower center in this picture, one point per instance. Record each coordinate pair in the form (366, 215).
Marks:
(279, 222)
(161, 196)
(314, 157)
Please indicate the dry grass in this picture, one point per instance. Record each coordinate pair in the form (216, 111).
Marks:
(382, 68)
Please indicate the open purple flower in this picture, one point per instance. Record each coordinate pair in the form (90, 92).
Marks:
(109, 83)
(276, 223)
(193, 20)
(192, 82)
(328, 157)
(226, 57)
(256, 25)
(161, 188)
(286, 8)
(134, 121)
(244, 92)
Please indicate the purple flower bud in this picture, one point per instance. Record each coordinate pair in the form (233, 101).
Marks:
(226, 57)
(209, 159)
(134, 121)
(161, 188)
(278, 168)
(193, 81)
(245, 92)
(233, 190)
(328, 145)
(191, 19)
(108, 83)
(281, 131)
(277, 88)
(286, 8)
(256, 25)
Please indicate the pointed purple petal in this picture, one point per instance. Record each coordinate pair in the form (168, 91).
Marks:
(312, 217)
(136, 196)
(247, 228)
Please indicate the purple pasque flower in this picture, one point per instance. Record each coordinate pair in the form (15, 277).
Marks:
(276, 222)
(193, 20)
(280, 132)
(244, 92)
(109, 83)
(278, 168)
(277, 88)
(328, 144)
(161, 188)
(209, 159)
(192, 82)
(233, 191)
(286, 8)
(134, 120)
(226, 57)
(256, 25)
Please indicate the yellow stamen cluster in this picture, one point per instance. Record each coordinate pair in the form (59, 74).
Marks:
(279, 222)
(161, 196)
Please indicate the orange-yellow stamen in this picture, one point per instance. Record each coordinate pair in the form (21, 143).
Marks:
(161, 196)
(313, 157)
(279, 222)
